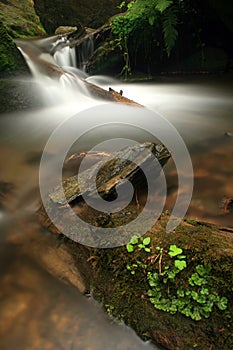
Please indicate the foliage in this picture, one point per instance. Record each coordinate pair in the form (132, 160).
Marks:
(152, 17)
(193, 296)
(135, 241)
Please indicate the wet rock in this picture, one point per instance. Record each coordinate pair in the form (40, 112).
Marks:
(11, 61)
(65, 29)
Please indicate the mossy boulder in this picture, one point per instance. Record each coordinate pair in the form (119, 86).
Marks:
(17, 20)
(20, 19)
(11, 60)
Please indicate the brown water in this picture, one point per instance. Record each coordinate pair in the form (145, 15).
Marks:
(38, 311)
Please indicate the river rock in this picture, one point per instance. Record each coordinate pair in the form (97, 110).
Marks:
(65, 30)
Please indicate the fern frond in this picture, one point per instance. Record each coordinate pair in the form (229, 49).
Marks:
(162, 5)
(170, 33)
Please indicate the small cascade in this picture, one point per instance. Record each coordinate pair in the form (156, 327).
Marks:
(54, 67)
(65, 56)
(85, 51)
(71, 81)
(76, 56)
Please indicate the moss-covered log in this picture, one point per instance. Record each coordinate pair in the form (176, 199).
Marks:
(117, 279)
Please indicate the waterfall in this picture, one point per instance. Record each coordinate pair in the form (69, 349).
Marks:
(65, 56)
(85, 52)
(56, 62)
(78, 56)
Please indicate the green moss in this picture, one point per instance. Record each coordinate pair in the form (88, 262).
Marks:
(11, 60)
(20, 19)
(126, 298)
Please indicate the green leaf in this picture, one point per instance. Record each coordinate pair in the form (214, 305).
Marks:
(134, 240)
(180, 293)
(204, 291)
(162, 5)
(195, 279)
(151, 20)
(194, 295)
(122, 4)
(140, 245)
(180, 264)
(172, 274)
(196, 314)
(174, 250)
(147, 250)
(169, 30)
(146, 241)
(201, 299)
(129, 247)
(181, 256)
(207, 307)
(203, 270)
(213, 298)
(222, 304)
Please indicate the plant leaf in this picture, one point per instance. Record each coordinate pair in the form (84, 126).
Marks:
(146, 241)
(151, 20)
(174, 250)
(162, 5)
(222, 304)
(203, 270)
(180, 264)
(134, 240)
(169, 30)
(129, 247)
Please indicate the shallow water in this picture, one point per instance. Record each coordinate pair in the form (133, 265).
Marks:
(38, 311)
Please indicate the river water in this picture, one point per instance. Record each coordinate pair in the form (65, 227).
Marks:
(37, 310)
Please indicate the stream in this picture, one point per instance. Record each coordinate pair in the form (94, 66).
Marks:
(37, 310)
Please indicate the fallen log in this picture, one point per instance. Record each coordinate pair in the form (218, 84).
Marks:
(114, 168)
(111, 282)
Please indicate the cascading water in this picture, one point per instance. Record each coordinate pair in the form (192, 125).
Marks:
(85, 52)
(53, 65)
(66, 56)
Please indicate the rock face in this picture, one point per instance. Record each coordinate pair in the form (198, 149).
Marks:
(11, 61)
(90, 13)
(17, 20)
(20, 19)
